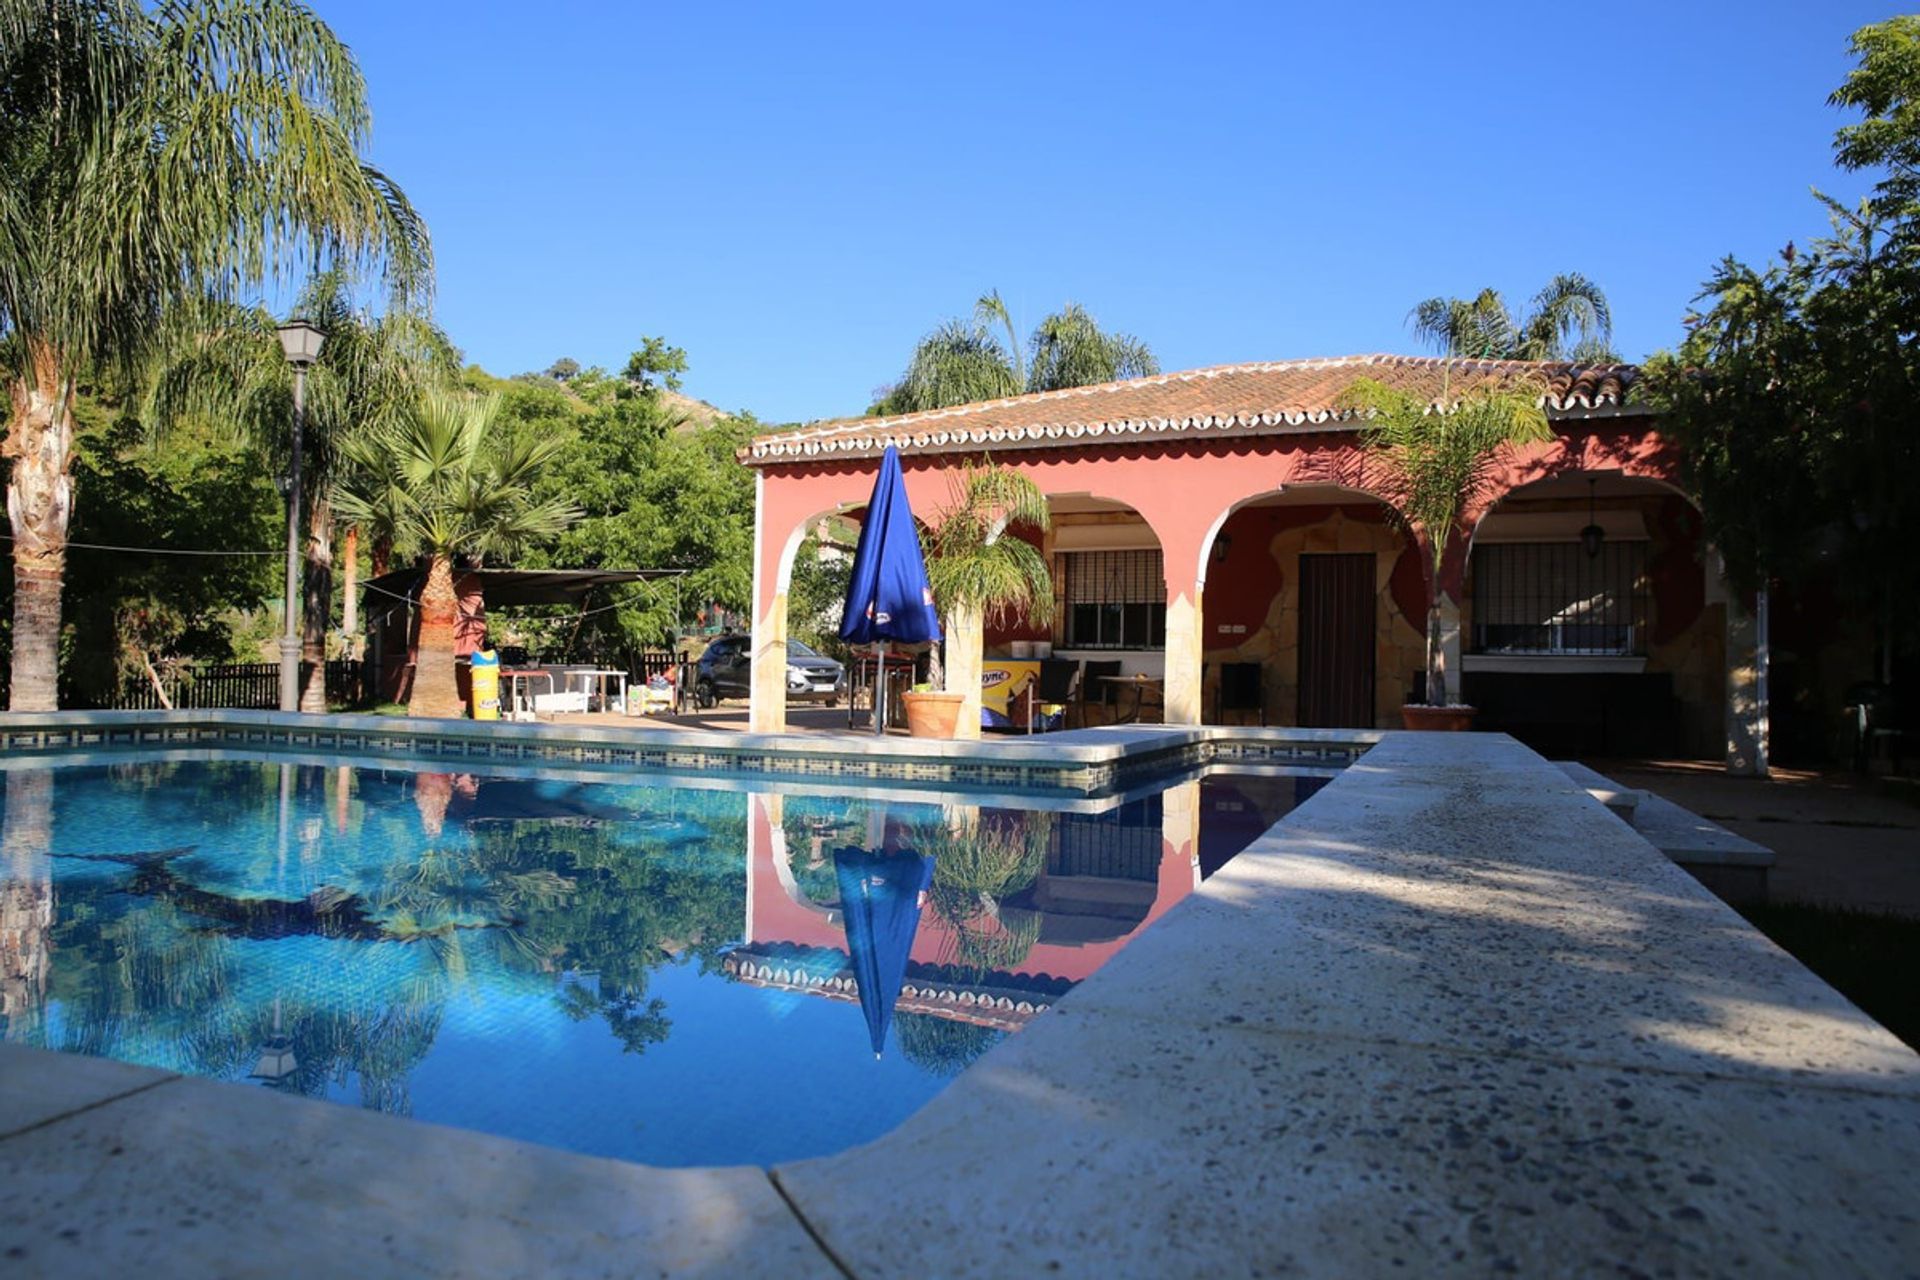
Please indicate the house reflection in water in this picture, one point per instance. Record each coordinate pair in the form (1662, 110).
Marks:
(1025, 903)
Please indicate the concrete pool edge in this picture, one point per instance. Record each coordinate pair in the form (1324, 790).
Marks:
(1399, 1026)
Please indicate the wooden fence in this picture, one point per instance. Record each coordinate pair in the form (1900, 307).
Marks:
(240, 686)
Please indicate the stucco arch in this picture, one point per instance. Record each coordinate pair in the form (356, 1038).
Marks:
(1254, 613)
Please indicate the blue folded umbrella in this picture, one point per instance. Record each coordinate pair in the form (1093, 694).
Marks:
(880, 907)
(887, 593)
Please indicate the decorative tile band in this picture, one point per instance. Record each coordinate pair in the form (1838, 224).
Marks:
(1131, 766)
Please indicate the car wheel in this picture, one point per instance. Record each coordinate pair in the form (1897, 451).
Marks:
(704, 696)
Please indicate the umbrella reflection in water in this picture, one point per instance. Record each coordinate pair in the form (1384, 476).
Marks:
(881, 894)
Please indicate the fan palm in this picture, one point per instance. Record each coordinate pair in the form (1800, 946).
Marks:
(1567, 320)
(1435, 458)
(964, 361)
(447, 480)
(152, 157)
(371, 370)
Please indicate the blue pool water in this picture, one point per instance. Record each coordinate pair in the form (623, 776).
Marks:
(656, 974)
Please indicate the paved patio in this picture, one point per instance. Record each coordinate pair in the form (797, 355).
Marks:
(1839, 838)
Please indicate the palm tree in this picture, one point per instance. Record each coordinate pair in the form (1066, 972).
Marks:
(1436, 456)
(151, 158)
(964, 361)
(370, 372)
(454, 483)
(1567, 320)
(977, 573)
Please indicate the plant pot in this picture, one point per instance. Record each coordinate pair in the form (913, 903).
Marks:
(933, 715)
(1437, 719)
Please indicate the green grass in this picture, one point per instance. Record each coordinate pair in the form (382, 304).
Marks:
(1870, 957)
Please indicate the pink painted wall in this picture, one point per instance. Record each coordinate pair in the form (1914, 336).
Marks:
(1182, 488)
(777, 917)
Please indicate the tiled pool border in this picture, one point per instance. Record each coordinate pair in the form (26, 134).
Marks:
(1079, 762)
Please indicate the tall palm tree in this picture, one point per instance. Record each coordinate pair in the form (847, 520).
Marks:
(371, 371)
(152, 157)
(1567, 320)
(453, 482)
(1435, 457)
(964, 361)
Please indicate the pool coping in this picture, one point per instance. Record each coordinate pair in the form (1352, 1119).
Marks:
(1450, 1014)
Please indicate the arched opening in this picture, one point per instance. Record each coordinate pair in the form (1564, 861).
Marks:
(1313, 612)
(1109, 618)
(1592, 622)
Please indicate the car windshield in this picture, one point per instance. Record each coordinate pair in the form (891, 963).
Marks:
(795, 649)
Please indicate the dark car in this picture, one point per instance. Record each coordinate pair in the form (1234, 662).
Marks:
(725, 670)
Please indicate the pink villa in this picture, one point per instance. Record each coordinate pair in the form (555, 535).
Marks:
(1220, 525)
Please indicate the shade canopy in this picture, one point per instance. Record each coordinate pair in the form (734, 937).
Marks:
(880, 897)
(504, 587)
(887, 595)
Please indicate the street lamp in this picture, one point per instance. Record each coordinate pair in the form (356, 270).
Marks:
(301, 343)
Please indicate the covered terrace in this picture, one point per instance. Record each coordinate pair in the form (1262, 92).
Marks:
(1227, 520)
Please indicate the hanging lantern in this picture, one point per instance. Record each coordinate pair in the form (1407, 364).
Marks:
(1593, 535)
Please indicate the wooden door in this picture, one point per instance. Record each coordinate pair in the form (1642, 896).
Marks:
(1337, 637)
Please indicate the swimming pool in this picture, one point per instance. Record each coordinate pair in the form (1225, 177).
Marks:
(674, 975)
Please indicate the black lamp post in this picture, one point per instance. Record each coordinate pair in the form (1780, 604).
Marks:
(301, 343)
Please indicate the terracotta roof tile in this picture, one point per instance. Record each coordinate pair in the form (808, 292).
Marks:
(1288, 395)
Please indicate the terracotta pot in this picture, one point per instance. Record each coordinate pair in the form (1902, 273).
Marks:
(933, 715)
(1437, 719)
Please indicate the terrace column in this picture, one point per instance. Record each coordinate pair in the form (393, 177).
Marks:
(966, 650)
(768, 713)
(1183, 531)
(1184, 655)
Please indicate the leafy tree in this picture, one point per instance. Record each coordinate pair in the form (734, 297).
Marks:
(655, 492)
(1567, 320)
(564, 368)
(1885, 88)
(655, 365)
(964, 361)
(151, 158)
(133, 615)
(460, 487)
(371, 370)
(822, 571)
(1794, 393)
(1436, 458)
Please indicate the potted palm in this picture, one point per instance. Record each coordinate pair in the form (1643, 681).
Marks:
(979, 575)
(446, 480)
(1433, 458)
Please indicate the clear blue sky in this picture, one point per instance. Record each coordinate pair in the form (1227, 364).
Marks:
(794, 193)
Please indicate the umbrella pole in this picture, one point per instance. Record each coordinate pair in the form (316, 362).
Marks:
(880, 693)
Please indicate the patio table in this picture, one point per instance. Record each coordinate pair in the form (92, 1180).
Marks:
(1139, 685)
(598, 678)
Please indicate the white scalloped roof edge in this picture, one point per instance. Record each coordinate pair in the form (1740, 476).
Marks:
(827, 438)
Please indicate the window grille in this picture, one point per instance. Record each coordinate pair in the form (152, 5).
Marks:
(1553, 598)
(1114, 599)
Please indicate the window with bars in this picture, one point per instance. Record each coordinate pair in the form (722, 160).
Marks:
(1114, 599)
(1553, 598)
